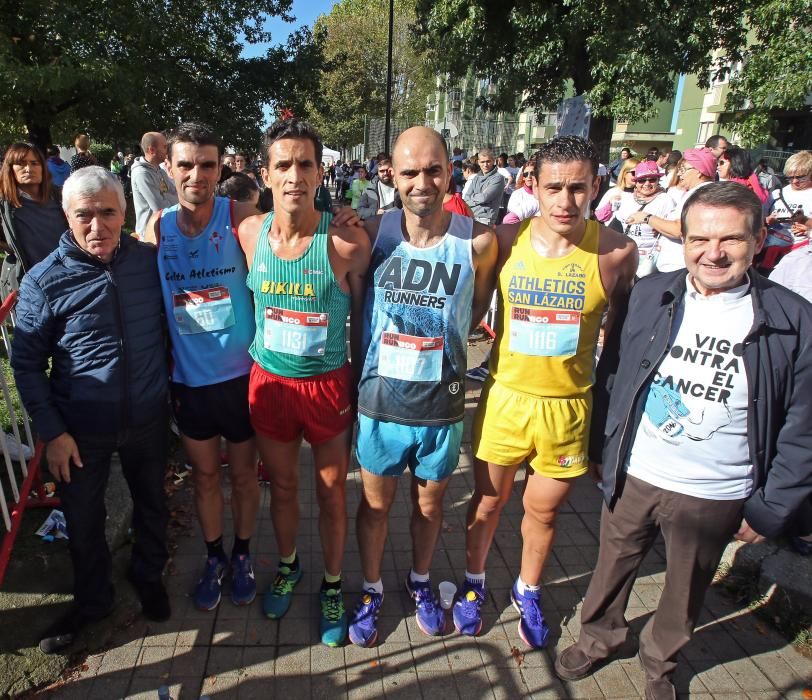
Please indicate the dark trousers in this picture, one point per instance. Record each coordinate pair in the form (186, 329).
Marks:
(143, 451)
(695, 531)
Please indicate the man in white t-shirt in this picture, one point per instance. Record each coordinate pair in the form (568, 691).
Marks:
(705, 435)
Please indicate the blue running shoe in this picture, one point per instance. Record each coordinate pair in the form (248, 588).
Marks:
(532, 627)
(467, 614)
(243, 584)
(209, 588)
(333, 619)
(277, 599)
(430, 616)
(364, 624)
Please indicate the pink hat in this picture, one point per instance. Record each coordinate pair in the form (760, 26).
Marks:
(646, 167)
(702, 159)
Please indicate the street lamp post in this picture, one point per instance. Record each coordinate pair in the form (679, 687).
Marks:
(388, 125)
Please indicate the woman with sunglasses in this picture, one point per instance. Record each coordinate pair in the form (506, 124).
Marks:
(523, 203)
(646, 200)
(735, 165)
(791, 208)
(606, 211)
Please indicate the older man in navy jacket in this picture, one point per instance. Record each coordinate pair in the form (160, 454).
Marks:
(702, 426)
(93, 308)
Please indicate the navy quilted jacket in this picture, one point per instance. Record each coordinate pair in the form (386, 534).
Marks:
(101, 326)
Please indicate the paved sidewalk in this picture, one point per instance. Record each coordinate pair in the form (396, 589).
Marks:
(237, 653)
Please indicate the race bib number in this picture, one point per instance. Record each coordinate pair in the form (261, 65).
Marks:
(203, 310)
(411, 358)
(295, 332)
(544, 333)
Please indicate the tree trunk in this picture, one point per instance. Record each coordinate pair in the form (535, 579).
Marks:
(39, 133)
(600, 132)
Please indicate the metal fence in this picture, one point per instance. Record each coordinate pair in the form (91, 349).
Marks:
(20, 483)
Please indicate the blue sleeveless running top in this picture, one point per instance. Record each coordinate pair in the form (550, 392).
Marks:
(417, 314)
(208, 306)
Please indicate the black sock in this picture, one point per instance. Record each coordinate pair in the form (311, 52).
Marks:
(326, 585)
(240, 546)
(215, 549)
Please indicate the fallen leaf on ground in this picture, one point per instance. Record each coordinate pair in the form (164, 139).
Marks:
(517, 654)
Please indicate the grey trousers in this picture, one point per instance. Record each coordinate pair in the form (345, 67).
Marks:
(695, 531)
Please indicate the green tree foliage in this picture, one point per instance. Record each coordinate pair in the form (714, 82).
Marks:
(622, 55)
(352, 82)
(117, 69)
(777, 67)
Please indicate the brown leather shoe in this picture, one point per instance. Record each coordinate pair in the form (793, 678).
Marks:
(573, 664)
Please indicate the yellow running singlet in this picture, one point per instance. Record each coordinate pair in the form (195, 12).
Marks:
(548, 318)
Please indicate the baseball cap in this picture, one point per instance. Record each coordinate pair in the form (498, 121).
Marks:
(646, 168)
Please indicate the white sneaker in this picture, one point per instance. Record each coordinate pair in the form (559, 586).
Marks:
(14, 448)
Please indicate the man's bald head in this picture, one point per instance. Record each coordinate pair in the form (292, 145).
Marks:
(422, 170)
(418, 136)
(153, 144)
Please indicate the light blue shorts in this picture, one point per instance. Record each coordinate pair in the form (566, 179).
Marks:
(386, 449)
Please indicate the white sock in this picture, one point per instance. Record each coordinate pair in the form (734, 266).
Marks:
(375, 587)
(418, 578)
(525, 588)
(479, 579)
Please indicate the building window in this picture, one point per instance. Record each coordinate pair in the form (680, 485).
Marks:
(705, 132)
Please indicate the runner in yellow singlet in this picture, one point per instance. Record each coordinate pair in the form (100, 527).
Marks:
(558, 274)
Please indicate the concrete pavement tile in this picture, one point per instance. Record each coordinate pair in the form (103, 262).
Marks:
(224, 661)
(154, 662)
(292, 661)
(714, 677)
(147, 688)
(229, 632)
(396, 657)
(292, 687)
(297, 631)
(462, 653)
(224, 686)
(366, 685)
(392, 628)
(431, 656)
(748, 675)
(797, 661)
(583, 689)
(437, 684)
(613, 681)
(401, 686)
(262, 632)
(541, 682)
(506, 683)
(117, 660)
(325, 686)
(162, 639)
(189, 661)
(765, 695)
(257, 688)
(324, 659)
(777, 670)
(198, 632)
(107, 687)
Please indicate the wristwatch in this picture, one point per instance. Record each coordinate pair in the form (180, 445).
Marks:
(646, 219)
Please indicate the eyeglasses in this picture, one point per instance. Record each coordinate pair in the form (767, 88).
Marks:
(644, 180)
(798, 178)
(527, 173)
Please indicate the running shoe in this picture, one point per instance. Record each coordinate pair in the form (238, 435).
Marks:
(478, 374)
(243, 584)
(277, 599)
(364, 624)
(532, 627)
(430, 616)
(467, 613)
(209, 588)
(333, 619)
